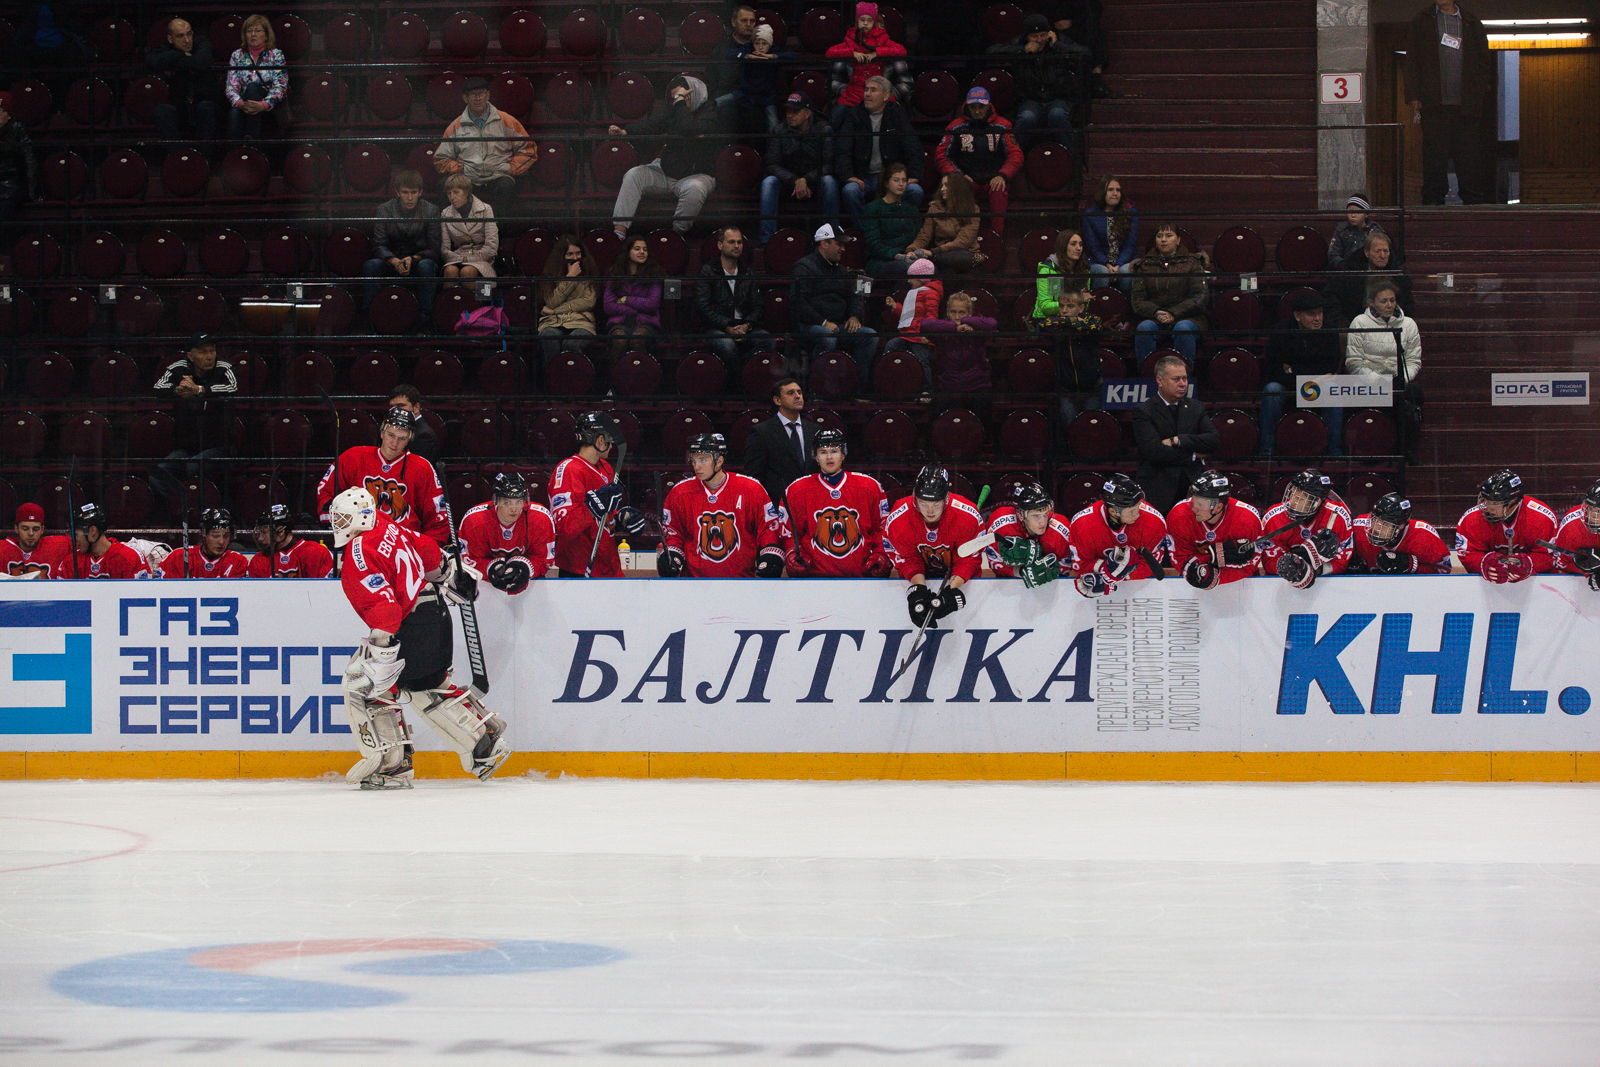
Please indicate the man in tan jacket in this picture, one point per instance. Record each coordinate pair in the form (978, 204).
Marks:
(469, 148)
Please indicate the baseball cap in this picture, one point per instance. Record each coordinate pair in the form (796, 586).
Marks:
(977, 95)
(827, 231)
(797, 101)
(29, 512)
(473, 84)
(1034, 23)
(200, 340)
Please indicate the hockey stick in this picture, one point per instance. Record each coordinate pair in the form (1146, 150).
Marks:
(1558, 550)
(1157, 571)
(72, 515)
(469, 610)
(965, 550)
(616, 472)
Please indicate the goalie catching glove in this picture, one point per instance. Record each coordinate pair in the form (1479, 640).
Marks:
(1295, 567)
(1503, 569)
(510, 575)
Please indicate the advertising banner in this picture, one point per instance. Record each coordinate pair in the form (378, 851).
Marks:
(1566, 388)
(1344, 391)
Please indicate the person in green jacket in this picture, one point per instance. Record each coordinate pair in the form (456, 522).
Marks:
(1065, 268)
(891, 224)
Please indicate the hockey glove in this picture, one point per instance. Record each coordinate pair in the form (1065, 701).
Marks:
(1294, 567)
(1321, 547)
(769, 564)
(454, 585)
(373, 668)
(1093, 585)
(1238, 553)
(919, 603)
(1016, 551)
(628, 520)
(1202, 574)
(1394, 563)
(1504, 569)
(670, 562)
(606, 498)
(878, 566)
(948, 603)
(1041, 571)
(1121, 563)
(1587, 560)
(510, 576)
(798, 562)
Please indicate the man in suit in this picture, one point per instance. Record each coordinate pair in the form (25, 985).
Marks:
(780, 449)
(1172, 431)
(1450, 81)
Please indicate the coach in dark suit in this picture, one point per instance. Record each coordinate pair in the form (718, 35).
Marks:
(1173, 432)
(779, 450)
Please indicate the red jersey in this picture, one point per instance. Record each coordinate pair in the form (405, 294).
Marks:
(720, 534)
(1333, 515)
(485, 539)
(1476, 536)
(120, 561)
(573, 479)
(383, 572)
(406, 490)
(1057, 538)
(1191, 537)
(230, 564)
(917, 548)
(1093, 539)
(1573, 536)
(50, 558)
(1429, 554)
(836, 529)
(302, 559)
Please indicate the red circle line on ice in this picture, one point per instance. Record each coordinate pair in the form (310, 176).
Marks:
(139, 841)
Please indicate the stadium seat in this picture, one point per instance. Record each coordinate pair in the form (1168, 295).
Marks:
(569, 96)
(888, 435)
(451, 304)
(373, 374)
(293, 36)
(36, 256)
(336, 309)
(443, 95)
(139, 311)
(1024, 435)
(464, 36)
(1021, 310)
(636, 374)
(1109, 304)
(513, 94)
(24, 436)
(85, 435)
(251, 370)
(761, 372)
(629, 97)
(1094, 435)
(64, 175)
(438, 374)
(72, 312)
(935, 95)
(669, 251)
(288, 435)
(1369, 433)
(16, 318)
(897, 374)
(200, 310)
(185, 172)
(48, 376)
(552, 172)
(89, 101)
(603, 245)
(827, 420)
(345, 36)
(1239, 250)
(485, 433)
(1238, 433)
(54, 496)
(1035, 245)
(678, 428)
(1302, 250)
(307, 169)
(253, 494)
(1002, 89)
(353, 427)
(467, 491)
(345, 252)
(114, 38)
(310, 374)
(324, 97)
(114, 375)
(738, 169)
(700, 374)
(1032, 371)
(780, 28)
(854, 256)
(1363, 490)
(162, 254)
(700, 32)
(141, 97)
(983, 301)
(127, 501)
(814, 84)
(610, 161)
(570, 374)
(1244, 488)
(775, 311)
(832, 376)
(1234, 370)
(420, 159)
(1235, 309)
(1001, 22)
(787, 247)
(993, 246)
(739, 429)
(31, 102)
(641, 32)
(1048, 167)
(8, 498)
(532, 250)
(820, 29)
(393, 312)
(522, 34)
(244, 172)
(583, 33)
(1112, 365)
(286, 251)
(957, 434)
(223, 253)
(405, 36)
(502, 374)
(550, 433)
(1147, 366)
(1074, 492)
(224, 35)
(1301, 434)
(389, 97)
(366, 169)
(1286, 301)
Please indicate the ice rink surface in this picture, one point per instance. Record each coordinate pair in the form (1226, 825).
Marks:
(635, 922)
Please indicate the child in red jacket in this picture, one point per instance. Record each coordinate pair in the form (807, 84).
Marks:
(920, 302)
(865, 44)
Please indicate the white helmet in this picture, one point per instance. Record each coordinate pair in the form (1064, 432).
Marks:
(352, 512)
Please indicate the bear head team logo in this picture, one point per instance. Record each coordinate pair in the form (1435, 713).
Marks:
(389, 494)
(935, 560)
(838, 531)
(719, 535)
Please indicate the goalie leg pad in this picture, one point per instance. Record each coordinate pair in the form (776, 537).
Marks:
(385, 742)
(475, 732)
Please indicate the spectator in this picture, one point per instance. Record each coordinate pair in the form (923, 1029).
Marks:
(1041, 64)
(409, 244)
(424, 441)
(1351, 235)
(780, 449)
(468, 235)
(1377, 259)
(799, 164)
(961, 359)
(488, 146)
(726, 59)
(859, 58)
(632, 298)
(1450, 81)
(1371, 349)
(258, 81)
(1169, 293)
(1302, 343)
(1061, 271)
(1081, 22)
(727, 301)
(1077, 353)
(688, 119)
(891, 226)
(755, 99)
(567, 299)
(50, 41)
(1111, 232)
(201, 387)
(825, 304)
(184, 64)
(19, 173)
(1173, 432)
(920, 302)
(949, 233)
(872, 135)
(980, 145)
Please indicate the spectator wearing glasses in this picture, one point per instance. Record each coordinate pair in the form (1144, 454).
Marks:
(258, 81)
(488, 146)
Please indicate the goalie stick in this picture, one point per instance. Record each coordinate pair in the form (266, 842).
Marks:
(469, 610)
(964, 550)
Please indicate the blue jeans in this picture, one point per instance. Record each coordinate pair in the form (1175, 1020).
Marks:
(924, 354)
(862, 344)
(1125, 272)
(773, 187)
(725, 346)
(423, 270)
(1055, 115)
(1272, 400)
(1183, 331)
(854, 197)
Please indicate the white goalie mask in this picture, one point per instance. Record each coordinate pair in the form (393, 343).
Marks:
(352, 512)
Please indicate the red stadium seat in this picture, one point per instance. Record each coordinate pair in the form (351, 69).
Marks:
(293, 36)
(570, 374)
(1301, 434)
(1235, 310)
(583, 33)
(897, 374)
(700, 32)
(366, 168)
(141, 97)
(1238, 432)
(1109, 304)
(373, 374)
(200, 310)
(787, 247)
(1244, 488)
(678, 428)
(286, 251)
(420, 159)
(1001, 22)
(889, 435)
(550, 433)
(114, 38)
(700, 374)
(127, 501)
(252, 371)
(502, 374)
(1234, 370)
(1094, 435)
(1302, 250)
(855, 251)
(775, 311)
(814, 85)
(185, 172)
(114, 375)
(31, 102)
(139, 311)
(993, 247)
(438, 374)
(394, 311)
(1002, 89)
(827, 420)
(610, 161)
(288, 435)
(72, 312)
(86, 435)
(1364, 490)
(389, 97)
(668, 250)
(89, 101)
(552, 172)
(738, 169)
(833, 376)
(641, 32)
(1369, 433)
(739, 431)
(444, 94)
(935, 95)
(405, 36)
(780, 28)
(450, 305)
(1024, 435)
(1239, 250)
(1048, 167)
(1112, 365)
(465, 36)
(1032, 371)
(345, 36)
(307, 169)
(1076, 491)
(636, 374)
(224, 35)
(336, 309)
(603, 245)
(761, 372)
(64, 175)
(49, 376)
(513, 94)
(24, 436)
(223, 253)
(253, 494)
(345, 252)
(309, 374)
(324, 97)
(521, 305)
(569, 96)
(54, 495)
(1147, 366)
(629, 97)
(244, 172)
(522, 34)
(485, 433)
(36, 257)
(162, 254)
(1035, 246)
(957, 434)
(820, 30)
(8, 495)
(531, 251)
(470, 490)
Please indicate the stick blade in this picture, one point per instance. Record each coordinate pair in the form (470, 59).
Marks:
(974, 546)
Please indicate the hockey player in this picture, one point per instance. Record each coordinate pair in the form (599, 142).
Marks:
(1213, 535)
(1499, 538)
(1388, 540)
(214, 556)
(922, 535)
(1120, 538)
(28, 553)
(1579, 534)
(835, 527)
(280, 554)
(100, 556)
(404, 485)
(1032, 542)
(510, 540)
(399, 583)
(581, 489)
(1310, 531)
(718, 524)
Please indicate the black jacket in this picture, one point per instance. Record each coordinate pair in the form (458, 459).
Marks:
(823, 292)
(769, 456)
(1421, 64)
(395, 235)
(716, 303)
(190, 78)
(19, 174)
(692, 137)
(1042, 76)
(852, 143)
(1303, 351)
(807, 154)
(1349, 286)
(425, 442)
(200, 422)
(1165, 471)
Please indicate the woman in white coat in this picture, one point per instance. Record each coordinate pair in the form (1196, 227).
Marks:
(468, 232)
(1371, 349)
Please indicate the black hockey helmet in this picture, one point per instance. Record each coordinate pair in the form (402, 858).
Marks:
(1211, 485)
(1502, 487)
(1591, 507)
(399, 418)
(276, 515)
(1121, 491)
(216, 519)
(592, 425)
(510, 485)
(711, 444)
(933, 483)
(1314, 484)
(89, 515)
(830, 438)
(1393, 510)
(1030, 496)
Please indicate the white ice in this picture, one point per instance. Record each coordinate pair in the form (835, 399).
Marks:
(784, 922)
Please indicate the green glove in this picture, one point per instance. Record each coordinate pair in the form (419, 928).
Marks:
(1017, 551)
(1046, 568)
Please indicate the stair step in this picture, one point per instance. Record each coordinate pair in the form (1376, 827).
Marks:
(1242, 15)
(1196, 60)
(1113, 139)
(1189, 88)
(1200, 111)
(1133, 39)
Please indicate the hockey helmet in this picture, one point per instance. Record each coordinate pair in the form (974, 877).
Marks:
(1591, 508)
(89, 515)
(1121, 491)
(352, 512)
(273, 522)
(710, 444)
(1387, 523)
(1211, 485)
(1030, 496)
(510, 486)
(216, 519)
(590, 426)
(830, 438)
(1502, 488)
(1306, 494)
(933, 483)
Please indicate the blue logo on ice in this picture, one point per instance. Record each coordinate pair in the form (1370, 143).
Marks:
(73, 665)
(217, 978)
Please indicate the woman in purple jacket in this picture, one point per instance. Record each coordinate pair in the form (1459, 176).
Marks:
(632, 299)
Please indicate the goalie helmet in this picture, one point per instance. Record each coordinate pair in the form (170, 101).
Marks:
(509, 486)
(710, 444)
(216, 519)
(1211, 485)
(1313, 487)
(1591, 508)
(1030, 496)
(593, 425)
(352, 512)
(91, 515)
(933, 483)
(1393, 511)
(829, 438)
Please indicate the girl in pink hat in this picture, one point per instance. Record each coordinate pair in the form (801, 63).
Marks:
(866, 45)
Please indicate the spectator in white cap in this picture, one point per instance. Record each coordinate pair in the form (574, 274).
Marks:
(825, 305)
(1351, 235)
